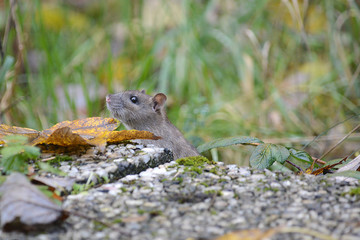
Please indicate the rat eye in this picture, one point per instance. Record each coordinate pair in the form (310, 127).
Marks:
(134, 99)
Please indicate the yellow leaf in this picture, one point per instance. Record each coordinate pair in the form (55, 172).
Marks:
(77, 135)
(63, 137)
(88, 127)
(115, 137)
(251, 234)
(6, 130)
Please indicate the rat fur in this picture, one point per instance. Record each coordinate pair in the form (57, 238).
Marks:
(137, 110)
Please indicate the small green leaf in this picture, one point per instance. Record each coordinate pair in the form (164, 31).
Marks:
(281, 153)
(301, 158)
(351, 174)
(261, 157)
(50, 169)
(15, 154)
(10, 151)
(300, 155)
(266, 154)
(224, 142)
(31, 152)
(279, 167)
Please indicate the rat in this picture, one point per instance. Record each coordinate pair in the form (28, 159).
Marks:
(139, 111)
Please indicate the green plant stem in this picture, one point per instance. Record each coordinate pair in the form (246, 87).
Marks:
(294, 165)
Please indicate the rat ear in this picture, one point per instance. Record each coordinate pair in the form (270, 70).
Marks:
(143, 91)
(159, 101)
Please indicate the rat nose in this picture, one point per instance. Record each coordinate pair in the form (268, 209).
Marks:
(108, 98)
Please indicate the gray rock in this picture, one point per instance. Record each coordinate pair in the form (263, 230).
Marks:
(153, 200)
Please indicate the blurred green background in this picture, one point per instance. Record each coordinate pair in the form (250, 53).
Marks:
(282, 71)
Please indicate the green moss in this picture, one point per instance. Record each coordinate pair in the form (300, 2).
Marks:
(354, 191)
(179, 179)
(154, 213)
(194, 161)
(99, 226)
(213, 193)
(58, 159)
(119, 220)
(141, 211)
(214, 171)
(204, 184)
(78, 188)
(270, 189)
(123, 189)
(164, 180)
(222, 180)
(194, 164)
(198, 170)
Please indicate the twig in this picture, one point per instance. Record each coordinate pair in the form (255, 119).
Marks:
(294, 165)
(306, 231)
(323, 133)
(310, 139)
(337, 144)
(343, 139)
(318, 160)
(212, 202)
(47, 159)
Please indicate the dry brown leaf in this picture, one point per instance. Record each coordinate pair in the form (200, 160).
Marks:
(328, 167)
(251, 234)
(115, 137)
(78, 135)
(6, 130)
(61, 184)
(119, 136)
(24, 207)
(88, 127)
(62, 137)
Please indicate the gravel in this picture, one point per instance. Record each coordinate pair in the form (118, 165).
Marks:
(169, 201)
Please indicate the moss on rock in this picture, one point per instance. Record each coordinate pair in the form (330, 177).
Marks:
(196, 161)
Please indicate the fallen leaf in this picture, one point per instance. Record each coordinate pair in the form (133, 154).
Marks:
(63, 137)
(115, 137)
(119, 136)
(251, 234)
(328, 167)
(135, 219)
(87, 128)
(6, 130)
(23, 207)
(353, 165)
(78, 135)
(55, 183)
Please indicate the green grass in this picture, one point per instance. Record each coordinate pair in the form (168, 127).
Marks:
(260, 68)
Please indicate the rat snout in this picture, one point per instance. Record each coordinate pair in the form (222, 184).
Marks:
(108, 98)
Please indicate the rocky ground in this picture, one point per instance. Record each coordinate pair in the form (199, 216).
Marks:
(172, 201)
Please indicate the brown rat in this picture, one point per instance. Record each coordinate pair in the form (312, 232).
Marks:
(137, 110)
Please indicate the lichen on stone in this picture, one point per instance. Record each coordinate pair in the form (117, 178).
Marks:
(195, 161)
(194, 164)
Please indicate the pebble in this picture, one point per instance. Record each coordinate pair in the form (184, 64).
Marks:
(154, 204)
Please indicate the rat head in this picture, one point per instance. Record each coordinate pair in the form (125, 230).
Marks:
(135, 109)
